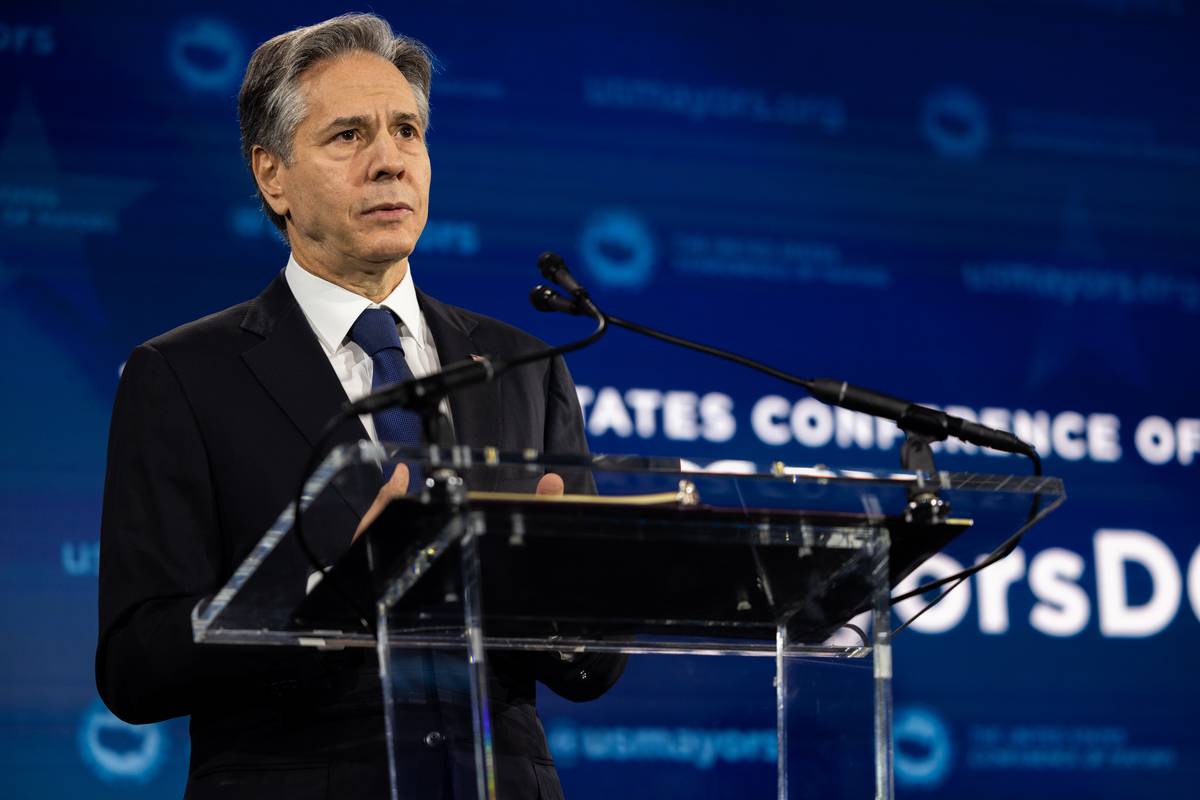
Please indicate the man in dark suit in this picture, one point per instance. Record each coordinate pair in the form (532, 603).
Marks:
(214, 421)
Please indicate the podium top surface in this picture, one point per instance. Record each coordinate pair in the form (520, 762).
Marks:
(659, 502)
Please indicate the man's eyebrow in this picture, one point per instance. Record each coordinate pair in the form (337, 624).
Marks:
(404, 116)
(363, 121)
(355, 121)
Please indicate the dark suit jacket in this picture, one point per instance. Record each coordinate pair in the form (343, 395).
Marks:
(212, 425)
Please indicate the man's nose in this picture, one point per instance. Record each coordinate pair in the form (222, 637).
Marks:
(387, 157)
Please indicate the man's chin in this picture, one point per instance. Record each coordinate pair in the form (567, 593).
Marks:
(386, 253)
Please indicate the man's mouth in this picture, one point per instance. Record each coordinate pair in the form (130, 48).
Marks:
(388, 211)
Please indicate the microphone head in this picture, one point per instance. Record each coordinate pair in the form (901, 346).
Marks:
(546, 299)
(550, 264)
(540, 297)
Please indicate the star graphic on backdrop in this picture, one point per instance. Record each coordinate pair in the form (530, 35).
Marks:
(47, 214)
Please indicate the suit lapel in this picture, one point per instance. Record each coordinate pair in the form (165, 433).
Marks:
(478, 412)
(293, 368)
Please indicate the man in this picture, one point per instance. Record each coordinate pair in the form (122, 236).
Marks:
(214, 420)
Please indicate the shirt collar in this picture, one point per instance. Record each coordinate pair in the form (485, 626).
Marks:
(331, 310)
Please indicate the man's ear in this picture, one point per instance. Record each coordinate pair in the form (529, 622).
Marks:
(267, 168)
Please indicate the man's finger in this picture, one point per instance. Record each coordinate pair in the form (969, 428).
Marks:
(551, 484)
(397, 486)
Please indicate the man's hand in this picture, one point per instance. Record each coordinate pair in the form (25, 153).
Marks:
(551, 484)
(397, 486)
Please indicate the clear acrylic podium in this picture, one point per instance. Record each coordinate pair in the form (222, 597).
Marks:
(642, 555)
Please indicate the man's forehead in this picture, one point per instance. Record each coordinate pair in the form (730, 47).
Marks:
(355, 84)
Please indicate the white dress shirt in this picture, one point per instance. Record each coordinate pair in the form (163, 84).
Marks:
(332, 310)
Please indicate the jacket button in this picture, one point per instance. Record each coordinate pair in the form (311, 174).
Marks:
(434, 739)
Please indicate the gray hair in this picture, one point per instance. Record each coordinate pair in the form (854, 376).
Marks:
(270, 103)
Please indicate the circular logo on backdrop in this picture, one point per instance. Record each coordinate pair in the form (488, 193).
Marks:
(618, 249)
(922, 746)
(955, 122)
(206, 54)
(117, 751)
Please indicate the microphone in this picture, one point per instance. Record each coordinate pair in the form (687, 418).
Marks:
(554, 269)
(913, 417)
(546, 299)
(427, 392)
(908, 416)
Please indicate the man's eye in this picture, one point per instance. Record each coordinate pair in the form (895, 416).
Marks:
(345, 136)
(407, 132)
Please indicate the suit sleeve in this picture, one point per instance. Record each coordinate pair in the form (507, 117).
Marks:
(589, 675)
(564, 425)
(160, 553)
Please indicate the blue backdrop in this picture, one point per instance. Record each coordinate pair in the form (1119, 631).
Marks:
(991, 206)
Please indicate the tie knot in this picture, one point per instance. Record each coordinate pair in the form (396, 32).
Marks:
(375, 330)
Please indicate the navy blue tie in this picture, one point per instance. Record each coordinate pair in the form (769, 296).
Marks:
(375, 332)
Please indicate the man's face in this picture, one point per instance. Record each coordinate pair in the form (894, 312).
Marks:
(357, 190)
